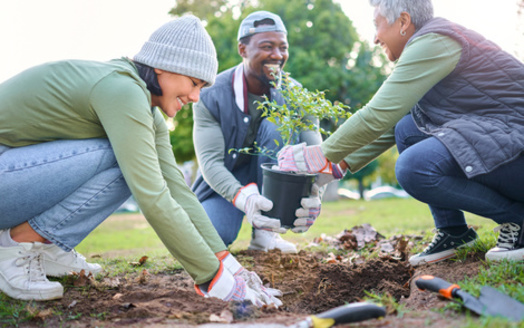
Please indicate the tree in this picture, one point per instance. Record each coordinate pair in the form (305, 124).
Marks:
(362, 176)
(199, 8)
(182, 140)
(325, 51)
(386, 167)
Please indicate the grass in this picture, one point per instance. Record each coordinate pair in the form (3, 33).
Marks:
(129, 234)
(507, 277)
(125, 238)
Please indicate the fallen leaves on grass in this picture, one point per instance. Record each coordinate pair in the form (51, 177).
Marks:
(365, 237)
(110, 282)
(38, 313)
(140, 262)
(80, 279)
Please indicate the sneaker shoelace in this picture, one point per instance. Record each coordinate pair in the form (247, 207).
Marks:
(33, 265)
(436, 239)
(77, 255)
(508, 234)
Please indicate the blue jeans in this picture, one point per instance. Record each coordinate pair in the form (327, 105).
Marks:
(63, 189)
(226, 218)
(429, 173)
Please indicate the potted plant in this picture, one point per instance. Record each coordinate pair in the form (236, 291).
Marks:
(286, 189)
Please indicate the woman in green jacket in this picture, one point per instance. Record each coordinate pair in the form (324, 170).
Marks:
(77, 138)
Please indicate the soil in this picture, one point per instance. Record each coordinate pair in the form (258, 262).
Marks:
(311, 282)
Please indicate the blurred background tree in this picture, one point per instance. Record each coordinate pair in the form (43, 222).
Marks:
(363, 177)
(325, 51)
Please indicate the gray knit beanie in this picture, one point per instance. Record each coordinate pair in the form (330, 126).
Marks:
(181, 46)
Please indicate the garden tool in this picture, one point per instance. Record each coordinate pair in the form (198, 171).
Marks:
(352, 312)
(491, 302)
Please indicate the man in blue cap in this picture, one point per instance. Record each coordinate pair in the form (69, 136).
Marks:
(226, 117)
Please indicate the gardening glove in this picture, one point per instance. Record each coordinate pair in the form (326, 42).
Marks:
(250, 201)
(308, 213)
(309, 159)
(267, 296)
(228, 288)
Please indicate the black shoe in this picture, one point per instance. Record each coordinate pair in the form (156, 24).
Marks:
(443, 246)
(510, 244)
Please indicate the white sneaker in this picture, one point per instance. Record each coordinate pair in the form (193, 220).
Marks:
(263, 240)
(22, 274)
(509, 245)
(59, 263)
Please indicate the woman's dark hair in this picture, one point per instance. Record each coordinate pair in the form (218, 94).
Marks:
(147, 73)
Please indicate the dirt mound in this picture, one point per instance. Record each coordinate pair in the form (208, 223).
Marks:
(311, 285)
(451, 271)
(311, 282)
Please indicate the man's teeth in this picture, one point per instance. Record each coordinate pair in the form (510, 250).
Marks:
(273, 67)
(180, 101)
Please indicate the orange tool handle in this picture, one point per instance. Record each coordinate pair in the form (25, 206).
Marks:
(438, 285)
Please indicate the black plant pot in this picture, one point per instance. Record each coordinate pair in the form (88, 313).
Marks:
(285, 190)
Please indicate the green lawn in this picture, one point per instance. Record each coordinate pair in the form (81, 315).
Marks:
(130, 234)
(127, 237)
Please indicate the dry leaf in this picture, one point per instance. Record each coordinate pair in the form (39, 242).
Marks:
(128, 305)
(82, 280)
(44, 313)
(142, 277)
(365, 234)
(110, 282)
(37, 313)
(118, 296)
(331, 258)
(227, 316)
(140, 262)
(215, 318)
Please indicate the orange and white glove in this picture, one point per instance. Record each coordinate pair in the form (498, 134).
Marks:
(309, 159)
(250, 201)
(228, 287)
(266, 295)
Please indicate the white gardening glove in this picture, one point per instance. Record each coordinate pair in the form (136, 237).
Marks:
(250, 201)
(309, 159)
(228, 287)
(308, 213)
(266, 295)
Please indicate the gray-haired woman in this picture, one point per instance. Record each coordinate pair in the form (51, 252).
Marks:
(461, 146)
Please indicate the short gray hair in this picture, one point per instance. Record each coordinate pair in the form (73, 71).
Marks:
(420, 11)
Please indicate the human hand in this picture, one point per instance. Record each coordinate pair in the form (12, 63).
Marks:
(265, 295)
(308, 213)
(307, 159)
(250, 201)
(228, 287)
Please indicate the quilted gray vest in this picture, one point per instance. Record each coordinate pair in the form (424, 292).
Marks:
(477, 111)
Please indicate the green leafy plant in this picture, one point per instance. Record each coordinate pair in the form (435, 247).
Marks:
(301, 108)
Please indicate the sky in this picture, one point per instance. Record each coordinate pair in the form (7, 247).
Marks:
(37, 31)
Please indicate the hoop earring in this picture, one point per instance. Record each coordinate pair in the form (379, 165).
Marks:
(403, 33)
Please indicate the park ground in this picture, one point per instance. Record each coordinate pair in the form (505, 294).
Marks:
(357, 251)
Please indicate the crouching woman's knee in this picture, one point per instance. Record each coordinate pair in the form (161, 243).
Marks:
(409, 172)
